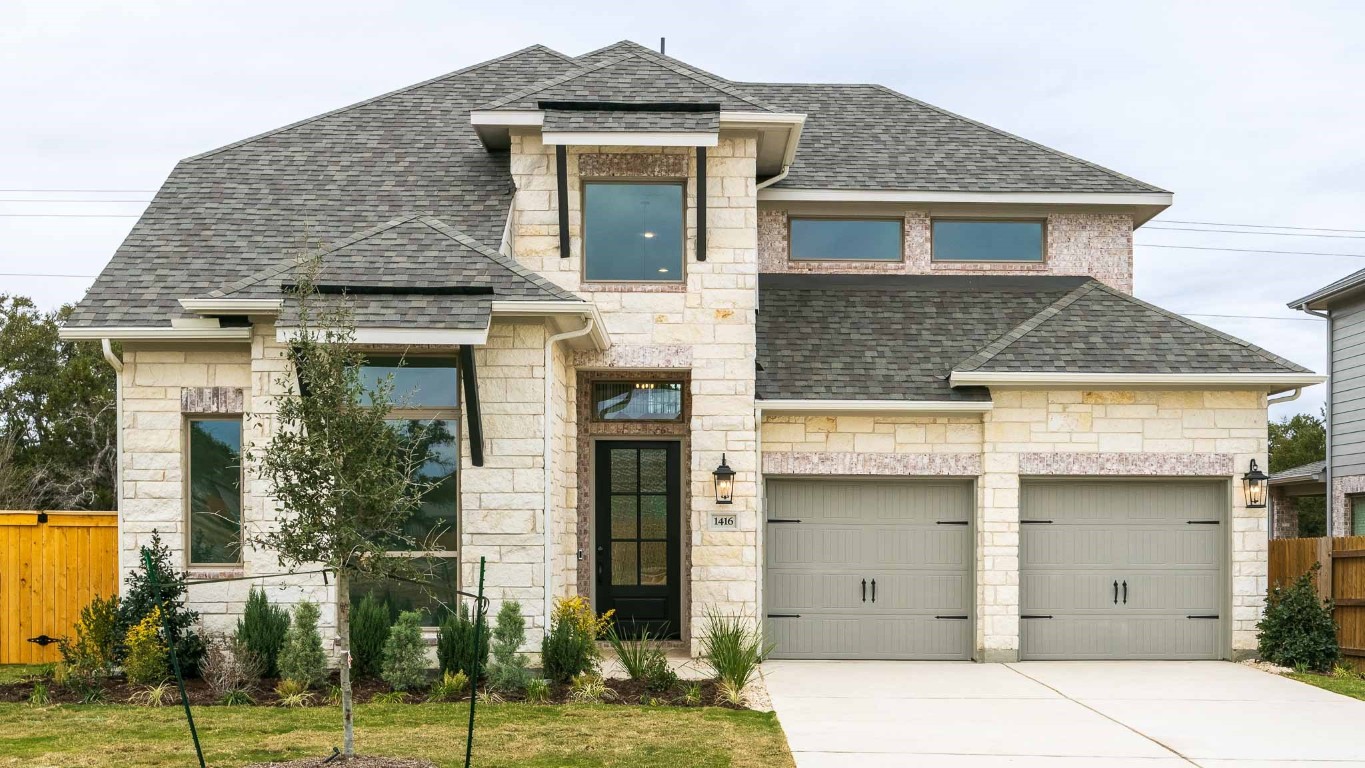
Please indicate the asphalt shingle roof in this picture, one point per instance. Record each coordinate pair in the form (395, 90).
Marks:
(630, 120)
(1301, 472)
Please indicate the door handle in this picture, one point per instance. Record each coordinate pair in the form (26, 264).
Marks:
(1125, 591)
(864, 590)
(874, 590)
(1116, 591)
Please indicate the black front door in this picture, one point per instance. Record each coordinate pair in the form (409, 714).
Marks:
(639, 503)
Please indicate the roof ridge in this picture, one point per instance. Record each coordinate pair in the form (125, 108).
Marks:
(497, 257)
(1008, 135)
(986, 353)
(369, 101)
(550, 82)
(1265, 353)
(703, 77)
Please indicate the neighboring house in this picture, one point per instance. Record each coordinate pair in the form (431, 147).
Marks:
(1296, 501)
(1342, 305)
(954, 433)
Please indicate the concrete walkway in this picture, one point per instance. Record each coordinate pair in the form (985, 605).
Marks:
(1060, 714)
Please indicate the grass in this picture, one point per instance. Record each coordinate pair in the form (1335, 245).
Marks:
(576, 735)
(1346, 686)
(14, 673)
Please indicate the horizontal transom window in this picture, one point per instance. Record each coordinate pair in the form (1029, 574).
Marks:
(637, 400)
(633, 231)
(418, 382)
(822, 239)
(987, 240)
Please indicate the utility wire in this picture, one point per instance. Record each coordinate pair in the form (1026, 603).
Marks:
(83, 191)
(1249, 226)
(1249, 250)
(38, 200)
(71, 215)
(1238, 232)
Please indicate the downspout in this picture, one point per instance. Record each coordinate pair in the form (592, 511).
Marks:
(773, 180)
(1330, 505)
(117, 365)
(548, 462)
(1289, 398)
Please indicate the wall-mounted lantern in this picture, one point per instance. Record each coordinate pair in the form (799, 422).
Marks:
(725, 482)
(1254, 485)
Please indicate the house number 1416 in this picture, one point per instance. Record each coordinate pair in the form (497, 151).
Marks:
(724, 521)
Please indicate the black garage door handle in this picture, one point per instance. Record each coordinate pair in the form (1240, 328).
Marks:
(864, 590)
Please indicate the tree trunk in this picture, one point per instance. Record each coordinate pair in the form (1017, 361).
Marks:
(344, 636)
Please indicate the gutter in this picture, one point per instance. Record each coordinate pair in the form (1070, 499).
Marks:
(1289, 398)
(786, 167)
(1272, 382)
(873, 406)
(547, 462)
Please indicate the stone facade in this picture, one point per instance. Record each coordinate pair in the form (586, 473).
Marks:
(1096, 244)
(1033, 433)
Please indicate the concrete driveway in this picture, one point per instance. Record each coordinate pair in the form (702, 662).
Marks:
(1131, 714)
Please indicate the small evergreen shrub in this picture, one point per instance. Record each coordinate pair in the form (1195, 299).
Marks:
(455, 649)
(1297, 629)
(509, 672)
(405, 655)
(448, 687)
(369, 631)
(569, 649)
(302, 657)
(145, 660)
(261, 629)
(140, 598)
(94, 650)
(294, 693)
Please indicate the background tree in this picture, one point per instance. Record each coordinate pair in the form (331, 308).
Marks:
(346, 482)
(57, 444)
(1294, 441)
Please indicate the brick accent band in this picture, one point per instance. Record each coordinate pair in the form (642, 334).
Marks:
(212, 400)
(1137, 464)
(633, 164)
(908, 464)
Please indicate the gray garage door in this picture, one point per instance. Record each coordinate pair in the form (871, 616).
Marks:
(869, 569)
(1121, 570)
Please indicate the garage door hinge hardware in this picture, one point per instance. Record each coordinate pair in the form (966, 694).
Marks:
(1035, 616)
(1036, 522)
(950, 522)
(784, 615)
(1203, 616)
(1201, 522)
(784, 520)
(950, 617)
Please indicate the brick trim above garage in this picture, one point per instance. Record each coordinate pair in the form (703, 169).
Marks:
(926, 464)
(1130, 464)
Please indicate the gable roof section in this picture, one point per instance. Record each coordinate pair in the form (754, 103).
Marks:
(612, 121)
(885, 337)
(1096, 329)
(870, 137)
(1328, 294)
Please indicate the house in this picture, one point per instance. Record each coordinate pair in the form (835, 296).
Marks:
(953, 431)
(1342, 305)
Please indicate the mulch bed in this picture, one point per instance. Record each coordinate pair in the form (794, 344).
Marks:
(359, 761)
(118, 691)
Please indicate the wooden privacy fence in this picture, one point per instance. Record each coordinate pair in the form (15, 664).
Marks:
(1342, 578)
(51, 565)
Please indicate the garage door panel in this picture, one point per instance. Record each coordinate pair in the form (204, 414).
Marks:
(1184, 547)
(1062, 591)
(923, 592)
(1070, 637)
(805, 544)
(922, 547)
(1187, 592)
(860, 502)
(1171, 637)
(1070, 547)
(918, 637)
(819, 637)
(1107, 502)
(797, 591)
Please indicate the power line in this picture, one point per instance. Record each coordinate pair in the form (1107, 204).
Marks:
(39, 200)
(82, 191)
(1249, 226)
(1246, 250)
(1234, 232)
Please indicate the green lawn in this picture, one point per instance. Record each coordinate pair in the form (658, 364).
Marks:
(13, 673)
(506, 735)
(1346, 686)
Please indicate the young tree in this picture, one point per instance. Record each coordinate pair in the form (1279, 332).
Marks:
(1297, 440)
(345, 481)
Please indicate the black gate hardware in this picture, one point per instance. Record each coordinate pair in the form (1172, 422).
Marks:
(44, 640)
(784, 615)
(950, 617)
(950, 522)
(1201, 522)
(1035, 616)
(1036, 522)
(784, 520)
(1203, 616)
(1125, 591)
(874, 590)
(864, 590)
(42, 517)
(1116, 591)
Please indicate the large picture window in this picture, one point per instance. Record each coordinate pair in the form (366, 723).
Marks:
(821, 239)
(215, 491)
(987, 240)
(425, 417)
(633, 231)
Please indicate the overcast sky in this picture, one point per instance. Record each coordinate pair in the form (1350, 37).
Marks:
(1249, 112)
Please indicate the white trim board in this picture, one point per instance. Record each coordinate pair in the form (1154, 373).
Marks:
(630, 138)
(1271, 382)
(125, 333)
(912, 196)
(230, 306)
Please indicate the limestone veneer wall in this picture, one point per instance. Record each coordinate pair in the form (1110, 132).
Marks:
(1096, 244)
(703, 325)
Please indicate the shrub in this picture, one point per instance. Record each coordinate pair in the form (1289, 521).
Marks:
(389, 697)
(405, 655)
(643, 659)
(261, 630)
(237, 698)
(302, 657)
(692, 695)
(455, 649)
(39, 696)
(293, 693)
(140, 598)
(145, 660)
(734, 648)
(229, 665)
(537, 691)
(94, 650)
(570, 647)
(369, 630)
(151, 695)
(508, 672)
(589, 688)
(448, 687)
(1297, 629)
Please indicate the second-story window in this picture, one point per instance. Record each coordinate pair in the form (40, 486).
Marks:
(987, 240)
(831, 239)
(633, 231)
